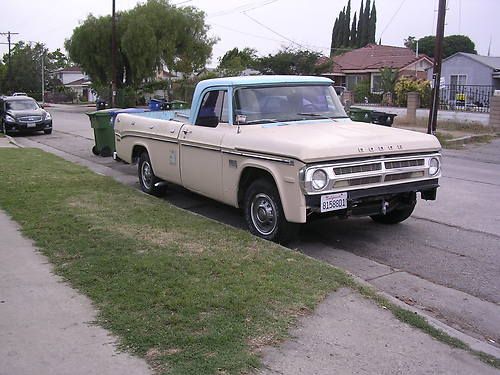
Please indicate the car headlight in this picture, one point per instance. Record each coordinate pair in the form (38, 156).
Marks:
(319, 179)
(434, 166)
(9, 118)
(48, 116)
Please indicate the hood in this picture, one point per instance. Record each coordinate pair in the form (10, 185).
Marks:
(30, 112)
(331, 140)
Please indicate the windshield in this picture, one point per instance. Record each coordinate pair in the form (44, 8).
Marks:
(21, 105)
(258, 105)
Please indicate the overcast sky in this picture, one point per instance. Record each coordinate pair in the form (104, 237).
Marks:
(266, 25)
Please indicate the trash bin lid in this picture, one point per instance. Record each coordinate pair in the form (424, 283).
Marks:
(103, 112)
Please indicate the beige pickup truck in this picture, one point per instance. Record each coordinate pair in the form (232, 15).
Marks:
(282, 149)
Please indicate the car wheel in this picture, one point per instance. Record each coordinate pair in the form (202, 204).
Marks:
(47, 131)
(395, 216)
(264, 213)
(147, 178)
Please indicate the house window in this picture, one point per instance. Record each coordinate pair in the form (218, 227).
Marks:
(353, 80)
(376, 85)
(458, 79)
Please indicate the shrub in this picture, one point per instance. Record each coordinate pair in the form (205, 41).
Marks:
(404, 85)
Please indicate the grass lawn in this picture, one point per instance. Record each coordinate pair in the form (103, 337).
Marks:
(188, 294)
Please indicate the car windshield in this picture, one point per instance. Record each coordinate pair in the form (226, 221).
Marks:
(21, 105)
(258, 105)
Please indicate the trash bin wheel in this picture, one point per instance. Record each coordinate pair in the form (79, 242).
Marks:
(95, 151)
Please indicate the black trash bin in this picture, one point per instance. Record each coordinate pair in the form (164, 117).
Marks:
(100, 104)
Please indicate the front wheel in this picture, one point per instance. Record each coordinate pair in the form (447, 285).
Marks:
(147, 179)
(395, 216)
(264, 213)
(47, 131)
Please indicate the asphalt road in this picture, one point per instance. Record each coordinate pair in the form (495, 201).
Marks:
(445, 259)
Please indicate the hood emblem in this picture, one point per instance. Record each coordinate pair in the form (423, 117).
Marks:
(380, 148)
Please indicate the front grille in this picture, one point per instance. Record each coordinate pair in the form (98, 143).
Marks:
(358, 169)
(398, 176)
(363, 181)
(30, 119)
(404, 163)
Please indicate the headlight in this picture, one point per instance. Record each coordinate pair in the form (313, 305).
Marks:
(319, 179)
(434, 166)
(48, 116)
(9, 118)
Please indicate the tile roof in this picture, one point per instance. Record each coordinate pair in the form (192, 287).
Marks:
(374, 57)
(79, 82)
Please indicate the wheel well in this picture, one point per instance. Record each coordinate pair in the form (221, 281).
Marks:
(249, 175)
(136, 152)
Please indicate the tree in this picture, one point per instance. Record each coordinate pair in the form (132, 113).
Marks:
(293, 62)
(235, 61)
(150, 36)
(388, 78)
(451, 45)
(356, 34)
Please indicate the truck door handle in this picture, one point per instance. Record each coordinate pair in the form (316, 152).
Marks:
(172, 131)
(187, 132)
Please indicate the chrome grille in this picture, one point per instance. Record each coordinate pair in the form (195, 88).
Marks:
(404, 163)
(363, 180)
(358, 168)
(30, 119)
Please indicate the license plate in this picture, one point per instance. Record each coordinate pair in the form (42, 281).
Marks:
(31, 124)
(333, 202)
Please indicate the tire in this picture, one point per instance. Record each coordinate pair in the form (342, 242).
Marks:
(264, 213)
(147, 178)
(47, 131)
(395, 216)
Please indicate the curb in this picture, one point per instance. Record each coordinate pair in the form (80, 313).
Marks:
(13, 141)
(466, 139)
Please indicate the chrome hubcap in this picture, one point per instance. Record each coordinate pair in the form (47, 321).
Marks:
(263, 214)
(147, 175)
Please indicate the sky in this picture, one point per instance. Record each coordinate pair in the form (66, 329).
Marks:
(266, 25)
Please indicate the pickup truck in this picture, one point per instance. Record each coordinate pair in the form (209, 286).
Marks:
(283, 149)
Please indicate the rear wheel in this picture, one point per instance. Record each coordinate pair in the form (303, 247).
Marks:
(147, 178)
(395, 216)
(264, 213)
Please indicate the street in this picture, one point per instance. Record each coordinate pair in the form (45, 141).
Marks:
(445, 259)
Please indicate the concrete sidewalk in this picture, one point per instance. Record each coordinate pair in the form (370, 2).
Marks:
(348, 334)
(44, 324)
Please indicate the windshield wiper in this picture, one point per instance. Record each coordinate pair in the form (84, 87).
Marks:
(261, 120)
(318, 115)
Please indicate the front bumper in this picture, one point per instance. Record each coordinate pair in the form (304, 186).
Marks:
(21, 127)
(371, 201)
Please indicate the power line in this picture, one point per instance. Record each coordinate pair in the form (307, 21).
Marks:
(9, 33)
(392, 18)
(242, 8)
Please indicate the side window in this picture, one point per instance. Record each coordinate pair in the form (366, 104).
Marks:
(213, 109)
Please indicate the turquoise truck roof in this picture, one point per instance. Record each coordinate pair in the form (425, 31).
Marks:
(231, 82)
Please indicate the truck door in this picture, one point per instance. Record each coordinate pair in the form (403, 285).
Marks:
(200, 145)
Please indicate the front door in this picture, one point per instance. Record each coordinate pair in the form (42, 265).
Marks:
(201, 156)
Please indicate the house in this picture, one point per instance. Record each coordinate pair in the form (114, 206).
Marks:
(74, 78)
(468, 69)
(350, 68)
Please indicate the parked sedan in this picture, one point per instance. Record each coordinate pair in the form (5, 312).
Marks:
(23, 114)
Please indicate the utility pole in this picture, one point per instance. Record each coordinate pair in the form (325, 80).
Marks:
(8, 33)
(436, 73)
(43, 78)
(113, 57)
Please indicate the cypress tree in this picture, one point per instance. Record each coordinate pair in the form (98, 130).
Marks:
(360, 26)
(373, 24)
(354, 39)
(366, 24)
(347, 25)
(341, 30)
(334, 40)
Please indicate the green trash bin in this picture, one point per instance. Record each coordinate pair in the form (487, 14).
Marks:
(360, 114)
(104, 132)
